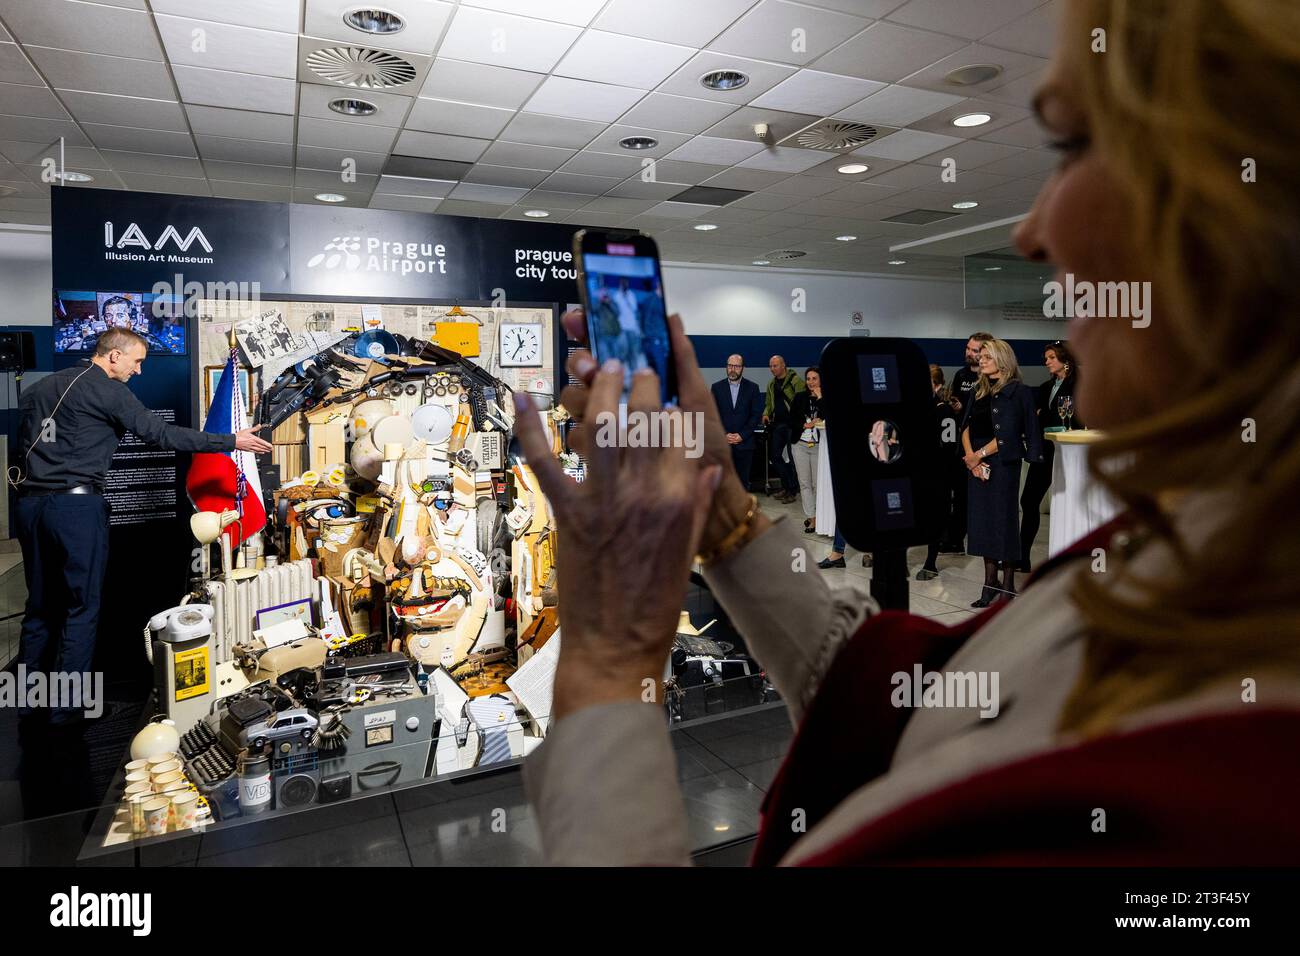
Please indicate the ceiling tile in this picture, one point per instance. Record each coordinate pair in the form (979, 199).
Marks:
(762, 77)
(477, 210)
(1020, 91)
(502, 153)
(751, 179)
(634, 188)
(906, 145)
(740, 125)
(241, 124)
(573, 183)
(307, 195)
(575, 12)
(244, 150)
(680, 210)
(1014, 66)
(21, 152)
(314, 157)
(146, 182)
(223, 46)
(796, 185)
(249, 173)
(414, 186)
(69, 70)
(688, 22)
(235, 90)
(680, 114)
(607, 142)
(1034, 33)
(14, 67)
(623, 60)
(478, 192)
(810, 91)
(424, 24)
(691, 174)
(437, 146)
(1027, 132)
(787, 32)
(710, 149)
(344, 135)
(34, 129)
(543, 130)
(1021, 162)
(107, 109)
(499, 39)
(19, 100)
(390, 108)
(550, 199)
(887, 52)
(610, 204)
(186, 167)
(255, 191)
(1001, 115)
(787, 159)
(404, 203)
(582, 99)
(458, 119)
(970, 18)
(478, 83)
(898, 106)
(589, 163)
(505, 175)
(73, 25)
(279, 15)
(972, 154)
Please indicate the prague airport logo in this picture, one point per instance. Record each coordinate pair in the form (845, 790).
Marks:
(341, 251)
(372, 254)
(133, 236)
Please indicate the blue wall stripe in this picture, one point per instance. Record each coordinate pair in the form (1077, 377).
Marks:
(800, 351)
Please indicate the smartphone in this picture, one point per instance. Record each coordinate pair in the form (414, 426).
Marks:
(621, 285)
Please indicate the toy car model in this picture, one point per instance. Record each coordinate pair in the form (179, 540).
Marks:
(288, 726)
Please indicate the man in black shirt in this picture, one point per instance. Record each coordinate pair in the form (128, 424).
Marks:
(963, 393)
(70, 426)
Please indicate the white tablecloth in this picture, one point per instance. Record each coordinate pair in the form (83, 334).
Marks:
(825, 497)
(1079, 504)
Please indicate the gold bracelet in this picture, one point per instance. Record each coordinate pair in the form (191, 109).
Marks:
(733, 538)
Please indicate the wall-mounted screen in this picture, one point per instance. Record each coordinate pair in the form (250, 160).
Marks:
(80, 318)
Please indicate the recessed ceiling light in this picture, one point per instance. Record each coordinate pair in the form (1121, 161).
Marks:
(353, 107)
(724, 80)
(845, 238)
(852, 169)
(331, 197)
(965, 205)
(762, 262)
(70, 177)
(898, 262)
(374, 20)
(638, 142)
(972, 119)
(706, 227)
(536, 213)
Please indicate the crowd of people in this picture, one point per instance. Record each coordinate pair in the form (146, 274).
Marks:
(988, 420)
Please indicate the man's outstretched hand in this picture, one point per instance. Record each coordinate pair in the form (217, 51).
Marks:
(246, 440)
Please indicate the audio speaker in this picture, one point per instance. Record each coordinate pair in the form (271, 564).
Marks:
(17, 351)
(295, 790)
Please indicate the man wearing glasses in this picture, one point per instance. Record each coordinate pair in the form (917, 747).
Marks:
(741, 406)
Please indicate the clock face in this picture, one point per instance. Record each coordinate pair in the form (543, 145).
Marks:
(521, 345)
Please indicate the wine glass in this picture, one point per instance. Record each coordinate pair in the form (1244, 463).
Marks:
(1065, 407)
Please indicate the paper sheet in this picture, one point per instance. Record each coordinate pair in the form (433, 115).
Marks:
(534, 682)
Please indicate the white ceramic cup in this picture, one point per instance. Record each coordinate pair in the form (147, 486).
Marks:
(161, 780)
(138, 776)
(161, 758)
(157, 770)
(135, 765)
(140, 786)
(185, 809)
(156, 814)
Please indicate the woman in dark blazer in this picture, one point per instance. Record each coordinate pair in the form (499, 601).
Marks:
(999, 428)
(1063, 376)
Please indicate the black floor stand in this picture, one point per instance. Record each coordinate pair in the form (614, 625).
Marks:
(889, 579)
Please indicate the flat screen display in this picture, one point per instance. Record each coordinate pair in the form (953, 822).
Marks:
(878, 375)
(80, 318)
(628, 320)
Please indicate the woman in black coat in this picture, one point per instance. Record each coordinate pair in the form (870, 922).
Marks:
(999, 428)
(1064, 376)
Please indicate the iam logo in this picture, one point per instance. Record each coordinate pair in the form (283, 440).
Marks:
(339, 251)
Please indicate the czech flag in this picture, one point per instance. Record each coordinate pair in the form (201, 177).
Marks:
(227, 480)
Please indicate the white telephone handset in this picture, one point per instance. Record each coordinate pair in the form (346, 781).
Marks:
(182, 623)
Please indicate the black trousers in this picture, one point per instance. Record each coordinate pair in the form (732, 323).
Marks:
(1037, 482)
(778, 445)
(65, 551)
(957, 525)
(743, 459)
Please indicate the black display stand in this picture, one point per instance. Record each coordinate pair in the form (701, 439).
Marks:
(889, 579)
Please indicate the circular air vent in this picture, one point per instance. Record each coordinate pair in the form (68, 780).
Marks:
(972, 75)
(361, 68)
(787, 254)
(836, 134)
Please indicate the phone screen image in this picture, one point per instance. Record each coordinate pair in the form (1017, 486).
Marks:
(626, 316)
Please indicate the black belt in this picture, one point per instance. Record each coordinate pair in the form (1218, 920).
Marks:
(75, 490)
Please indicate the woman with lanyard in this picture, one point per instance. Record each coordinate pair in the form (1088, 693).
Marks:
(1063, 372)
(805, 412)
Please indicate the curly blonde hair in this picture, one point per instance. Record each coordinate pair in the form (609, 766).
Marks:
(1187, 99)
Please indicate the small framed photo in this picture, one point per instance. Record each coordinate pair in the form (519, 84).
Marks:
(292, 611)
(212, 377)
